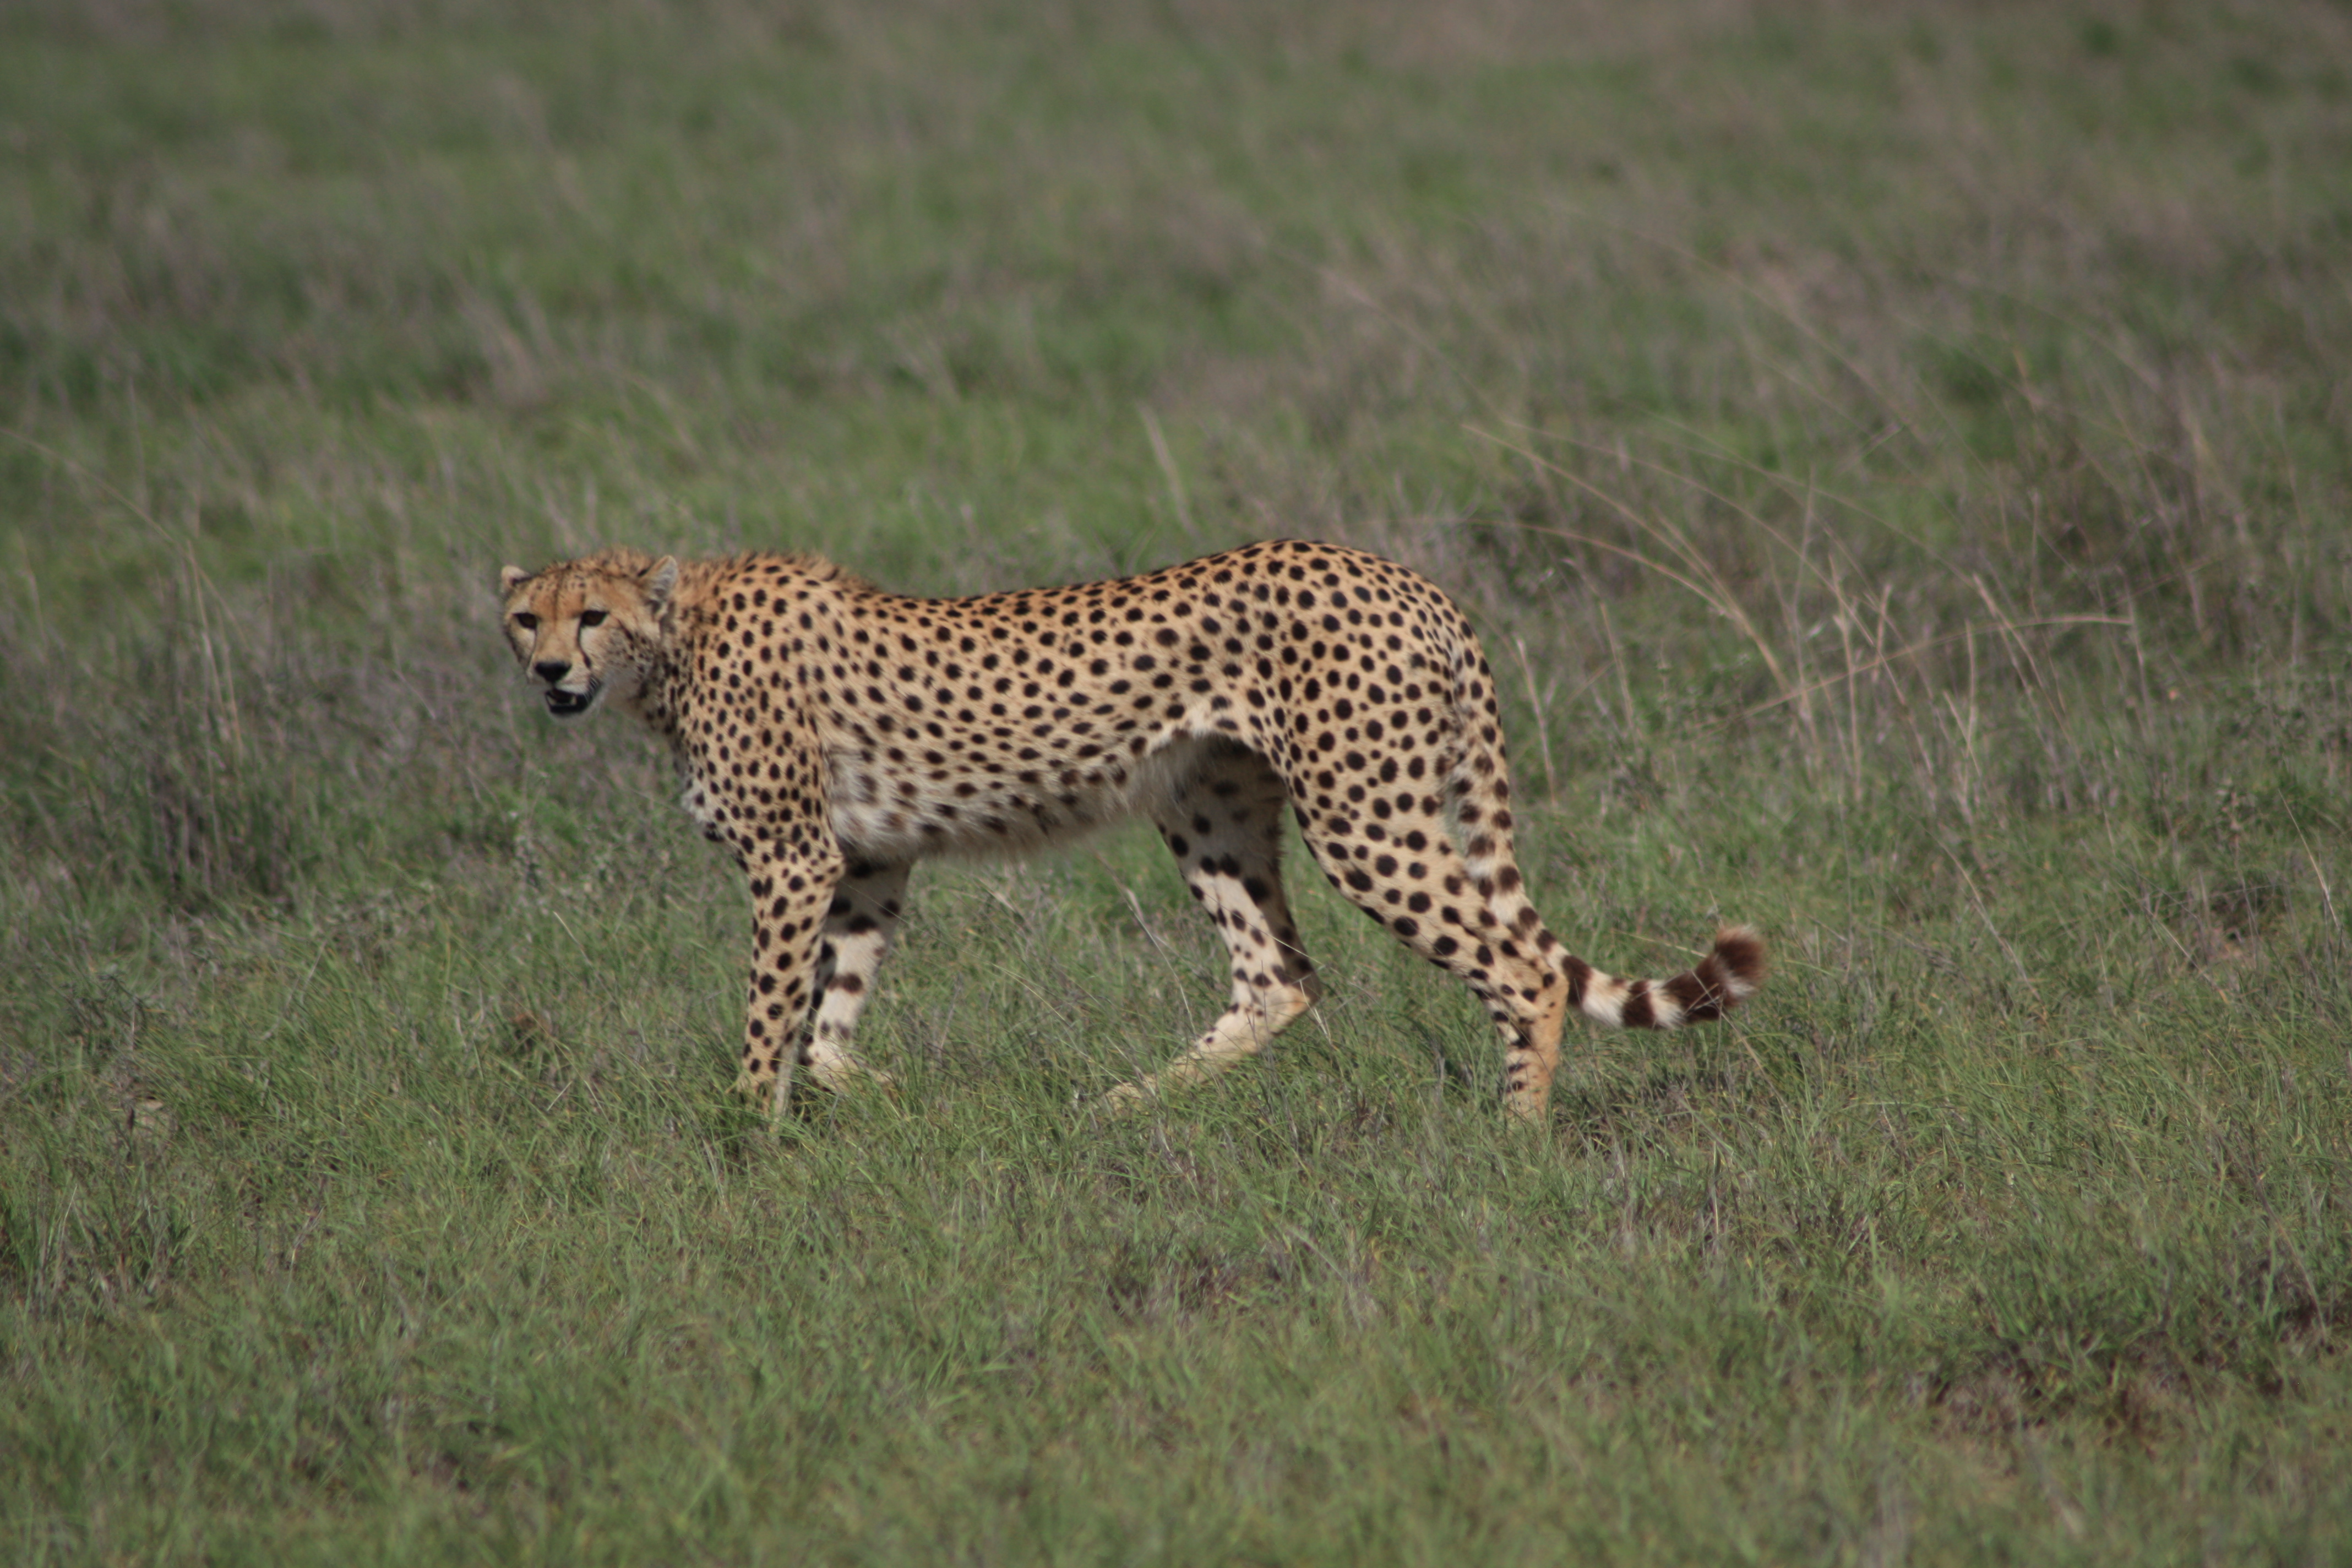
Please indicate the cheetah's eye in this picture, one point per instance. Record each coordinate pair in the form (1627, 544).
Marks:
(526, 620)
(590, 618)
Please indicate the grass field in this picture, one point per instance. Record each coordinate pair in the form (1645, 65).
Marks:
(1898, 458)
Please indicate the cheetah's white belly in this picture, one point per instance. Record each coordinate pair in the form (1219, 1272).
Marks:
(897, 818)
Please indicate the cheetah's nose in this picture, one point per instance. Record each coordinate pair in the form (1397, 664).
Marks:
(552, 670)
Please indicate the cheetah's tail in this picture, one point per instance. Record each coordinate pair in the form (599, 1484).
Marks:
(1726, 977)
(1479, 786)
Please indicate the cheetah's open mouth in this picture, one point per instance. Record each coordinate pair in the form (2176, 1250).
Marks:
(568, 704)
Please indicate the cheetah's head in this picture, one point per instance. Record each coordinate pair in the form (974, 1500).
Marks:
(589, 627)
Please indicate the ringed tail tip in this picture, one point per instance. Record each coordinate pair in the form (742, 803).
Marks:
(1729, 974)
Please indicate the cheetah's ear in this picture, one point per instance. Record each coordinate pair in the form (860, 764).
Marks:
(660, 578)
(512, 577)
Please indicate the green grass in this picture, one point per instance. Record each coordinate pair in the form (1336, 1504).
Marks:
(1897, 457)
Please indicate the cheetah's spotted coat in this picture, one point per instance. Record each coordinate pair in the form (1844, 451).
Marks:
(830, 735)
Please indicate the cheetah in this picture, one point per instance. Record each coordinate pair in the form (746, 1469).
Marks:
(830, 734)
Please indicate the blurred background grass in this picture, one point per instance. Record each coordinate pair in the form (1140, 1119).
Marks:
(1897, 457)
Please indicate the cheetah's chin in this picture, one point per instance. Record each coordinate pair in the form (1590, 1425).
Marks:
(570, 704)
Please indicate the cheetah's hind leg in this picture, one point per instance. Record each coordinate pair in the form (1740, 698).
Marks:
(1224, 828)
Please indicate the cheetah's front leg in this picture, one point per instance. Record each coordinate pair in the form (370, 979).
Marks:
(790, 894)
(857, 927)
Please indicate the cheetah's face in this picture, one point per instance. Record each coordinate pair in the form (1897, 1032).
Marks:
(586, 632)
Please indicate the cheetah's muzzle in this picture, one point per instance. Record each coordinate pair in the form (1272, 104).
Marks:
(569, 704)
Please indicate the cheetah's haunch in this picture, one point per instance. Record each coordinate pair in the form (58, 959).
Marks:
(830, 735)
